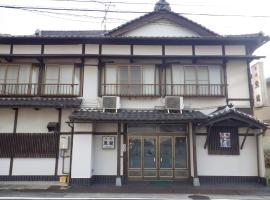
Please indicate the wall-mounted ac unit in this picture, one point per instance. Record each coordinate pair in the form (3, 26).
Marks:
(174, 103)
(110, 103)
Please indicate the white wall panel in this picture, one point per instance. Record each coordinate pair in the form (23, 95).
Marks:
(105, 160)
(4, 166)
(90, 86)
(82, 156)
(208, 50)
(235, 50)
(83, 127)
(106, 127)
(161, 28)
(33, 166)
(5, 49)
(35, 121)
(63, 49)
(147, 50)
(6, 120)
(92, 49)
(244, 164)
(237, 79)
(116, 49)
(178, 50)
(26, 49)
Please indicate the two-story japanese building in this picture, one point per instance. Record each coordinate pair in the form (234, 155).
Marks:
(159, 98)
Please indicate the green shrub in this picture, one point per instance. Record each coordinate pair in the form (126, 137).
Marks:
(267, 158)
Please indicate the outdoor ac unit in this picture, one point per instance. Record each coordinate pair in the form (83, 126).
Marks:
(174, 103)
(110, 103)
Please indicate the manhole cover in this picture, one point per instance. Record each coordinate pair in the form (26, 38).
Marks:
(198, 197)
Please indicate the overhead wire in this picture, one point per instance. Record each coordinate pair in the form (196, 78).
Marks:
(126, 11)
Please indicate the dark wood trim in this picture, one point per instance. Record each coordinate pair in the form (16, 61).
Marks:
(224, 66)
(14, 132)
(71, 152)
(131, 52)
(125, 156)
(238, 99)
(57, 154)
(194, 150)
(118, 149)
(83, 49)
(100, 69)
(193, 54)
(163, 50)
(230, 179)
(29, 178)
(100, 49)
(99, 56)
(208, 135)
(245, 137)
(250, 87)
(11, 49)
(240, 134)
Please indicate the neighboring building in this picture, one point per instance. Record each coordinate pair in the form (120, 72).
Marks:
(149, 100)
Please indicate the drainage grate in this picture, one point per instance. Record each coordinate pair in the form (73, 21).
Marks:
(198, 197)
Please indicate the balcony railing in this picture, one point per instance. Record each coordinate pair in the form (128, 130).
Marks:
(34, 89)
(144, 90)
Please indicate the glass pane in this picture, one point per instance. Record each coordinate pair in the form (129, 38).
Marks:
(12, 74)
(180, 152)
(123, 80)
(141, 129)
(24, 79)
(135, 80)
(2, 79)
(149, 152)
(203, 88)
(51, 80)
(190, 81)
(135, 152)
(172, 128)
(66, 77)
(165, 152)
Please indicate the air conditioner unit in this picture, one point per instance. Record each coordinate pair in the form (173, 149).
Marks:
(174, 103)
(110, 103)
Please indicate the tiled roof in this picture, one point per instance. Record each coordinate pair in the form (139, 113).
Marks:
(40, 102)
(135, 115)
(230, 111)
(70, 33)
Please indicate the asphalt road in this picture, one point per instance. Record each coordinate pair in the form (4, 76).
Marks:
(8, 195)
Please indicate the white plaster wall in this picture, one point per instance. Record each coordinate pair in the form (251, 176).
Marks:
(261, 157)
(4, 166)
(90, 86)
(82, 156)
(237, 79)
(189, 102)
(6, 120)
(244, 164)
(83, 127)
(33, 166)
(5, 49)
(158, 27)
(116, 49)
(147, 50)
(241, 104)
(26, 49)
(63, 49)
(178, 50)
(106, 127)
(235, 50)
(105, 160)
(35, 121)
(91, 49)
(208, 50)
(65, 117)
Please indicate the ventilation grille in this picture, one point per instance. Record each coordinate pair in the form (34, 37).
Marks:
(110, 102)
(173, 103)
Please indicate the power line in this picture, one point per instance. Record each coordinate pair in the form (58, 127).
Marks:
(127, 12)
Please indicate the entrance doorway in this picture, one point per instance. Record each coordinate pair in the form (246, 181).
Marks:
(157, 157)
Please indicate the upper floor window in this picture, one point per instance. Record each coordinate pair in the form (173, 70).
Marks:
(194, 80)
(62, 80)
(130, 80)
(18, 79)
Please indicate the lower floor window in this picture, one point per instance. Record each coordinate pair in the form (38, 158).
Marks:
(224, 141)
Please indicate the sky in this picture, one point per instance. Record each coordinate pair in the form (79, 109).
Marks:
(245, 16)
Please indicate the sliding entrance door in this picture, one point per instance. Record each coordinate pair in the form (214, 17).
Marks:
(157, 157)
